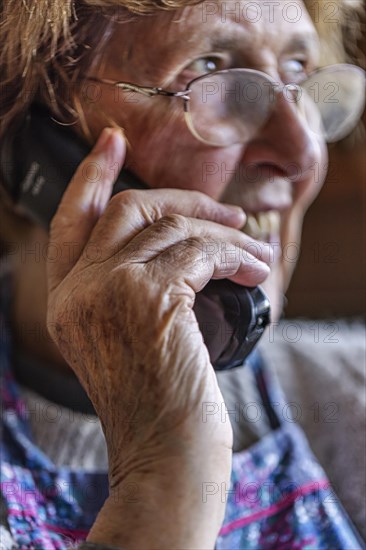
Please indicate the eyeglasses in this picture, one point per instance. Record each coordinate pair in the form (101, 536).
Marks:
(228, 107)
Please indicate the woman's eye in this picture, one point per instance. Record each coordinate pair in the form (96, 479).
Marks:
(294, 69)
(204, 65)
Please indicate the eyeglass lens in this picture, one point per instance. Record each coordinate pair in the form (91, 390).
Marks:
(229, 107)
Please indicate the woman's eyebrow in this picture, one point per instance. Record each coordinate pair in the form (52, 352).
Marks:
(303, 43)
(226, 42)
(217, 42)
(198, 43)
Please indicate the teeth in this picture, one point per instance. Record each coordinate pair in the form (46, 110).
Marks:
(251, 227)
(262, 225)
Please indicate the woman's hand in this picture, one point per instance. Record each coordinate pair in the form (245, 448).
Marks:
(120, 310)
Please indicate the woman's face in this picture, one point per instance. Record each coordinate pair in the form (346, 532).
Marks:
(275, 175)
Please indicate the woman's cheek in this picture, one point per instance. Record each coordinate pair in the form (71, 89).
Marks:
(305, 193)
(163, 153)
(308, 187)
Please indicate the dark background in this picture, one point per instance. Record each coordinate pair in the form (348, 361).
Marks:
(331, 273)
(330, 276)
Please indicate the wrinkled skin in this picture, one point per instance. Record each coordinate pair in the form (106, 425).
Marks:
(282, 168)
(135, 343)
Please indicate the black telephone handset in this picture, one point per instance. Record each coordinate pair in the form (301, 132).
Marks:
(37, 165)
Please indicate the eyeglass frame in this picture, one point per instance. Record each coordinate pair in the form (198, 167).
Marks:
(151, 91)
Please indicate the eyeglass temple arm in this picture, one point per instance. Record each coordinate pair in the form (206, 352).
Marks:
(145, 90)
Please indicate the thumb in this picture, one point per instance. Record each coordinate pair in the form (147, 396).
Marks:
(83, 202)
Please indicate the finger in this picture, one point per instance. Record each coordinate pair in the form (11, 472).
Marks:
(196, 269)
(129, 212)
(216, 238)
(84, 201)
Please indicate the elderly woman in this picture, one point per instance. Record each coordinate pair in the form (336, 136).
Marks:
(215, 110)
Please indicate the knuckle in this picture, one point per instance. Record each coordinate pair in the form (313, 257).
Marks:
(191, 250)
(125, 199)
(175, 222)
(195, 243)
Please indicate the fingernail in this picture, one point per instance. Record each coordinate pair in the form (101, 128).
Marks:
(103, 140)
(237, 210)
(234, 208)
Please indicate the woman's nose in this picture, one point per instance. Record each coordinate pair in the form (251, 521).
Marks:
(286, 140)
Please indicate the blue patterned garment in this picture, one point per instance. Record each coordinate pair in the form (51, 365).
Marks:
(279, 497)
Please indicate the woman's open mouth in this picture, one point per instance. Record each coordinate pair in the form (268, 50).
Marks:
(264, 226)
